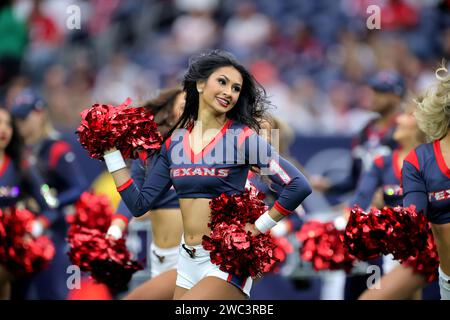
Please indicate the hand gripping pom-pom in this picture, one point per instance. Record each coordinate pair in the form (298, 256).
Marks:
(231, 247)
(130, 130)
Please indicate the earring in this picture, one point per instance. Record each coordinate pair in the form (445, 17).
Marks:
(200, 90)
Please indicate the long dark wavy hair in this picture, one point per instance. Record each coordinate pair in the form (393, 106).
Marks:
(162, 107)
(15, 146)
(252, 103)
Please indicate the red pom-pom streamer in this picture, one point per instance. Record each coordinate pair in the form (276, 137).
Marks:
(92, 211)
(364, 235)
(20, 252)
(399, 231)
(426, 262)
(104, 127)
(323, 246)
(108, 260)
(232, 248)
(283, 247)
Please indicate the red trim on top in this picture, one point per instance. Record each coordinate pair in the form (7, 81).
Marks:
(412, 158)
(143, 156)
(5, 164)
(440, 159)
(395, 165)
(125, 185)
(379, 161)
(120, 217)
(250, 175)
(195, 157)
(282, 210)
(57, 150)
(247, 132)
(167, 143)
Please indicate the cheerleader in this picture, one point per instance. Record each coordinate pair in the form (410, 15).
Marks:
(14, 185)
(388, 88)
(426, 172)
(399, 282)
(165, 217)
(9, 181)
(50, 157)
(211, 154)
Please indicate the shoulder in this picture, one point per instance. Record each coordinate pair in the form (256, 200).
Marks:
(57, 149)
(420, 155)
(242, 132)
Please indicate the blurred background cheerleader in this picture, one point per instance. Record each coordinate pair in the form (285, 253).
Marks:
(398, 282)
(51, 157)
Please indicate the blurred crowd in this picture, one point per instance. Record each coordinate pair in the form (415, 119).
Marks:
(313, 57)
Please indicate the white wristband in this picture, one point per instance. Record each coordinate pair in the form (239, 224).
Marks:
(115, 232)
(265, 222)
(114, 161)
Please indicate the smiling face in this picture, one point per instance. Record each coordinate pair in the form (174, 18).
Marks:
(221, 90)
(6, 129)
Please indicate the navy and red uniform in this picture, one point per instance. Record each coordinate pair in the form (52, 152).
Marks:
(221, 167)
(385, 173)
(53, 159)
(271, 192)
(169, 200)
(18, 183)
(426, 182)
(9, 183)
(368, 144)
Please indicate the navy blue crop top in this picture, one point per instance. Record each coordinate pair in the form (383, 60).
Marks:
(426, 182)
(385, 173)
(221, 167)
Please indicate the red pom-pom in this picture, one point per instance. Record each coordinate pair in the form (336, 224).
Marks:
(283, 247)
(20, 252)
(399, 231)
(104, 127)
(242, 208)
(407, 234)
(364, 235)
(426, 262)
(232, 248)
(92, 211)
(323, 246)
(108, 260)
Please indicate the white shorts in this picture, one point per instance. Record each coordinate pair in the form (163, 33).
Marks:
(192, 269)
(162, 260)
